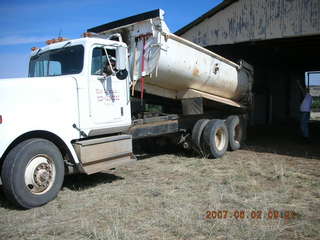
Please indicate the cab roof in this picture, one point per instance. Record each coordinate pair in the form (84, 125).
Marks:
(79, 41)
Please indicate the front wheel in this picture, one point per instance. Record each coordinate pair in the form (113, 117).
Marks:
(32, 173)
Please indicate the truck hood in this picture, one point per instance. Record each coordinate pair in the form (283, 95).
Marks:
(38, 104)
(30, 94)
(22, 90)
(26, 101)
(8, 80)
(16, 83)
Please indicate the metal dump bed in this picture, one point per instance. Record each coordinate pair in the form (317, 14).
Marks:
(170, 66)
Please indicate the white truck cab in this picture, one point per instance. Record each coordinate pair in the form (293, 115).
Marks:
(76, 89)
(103, 97)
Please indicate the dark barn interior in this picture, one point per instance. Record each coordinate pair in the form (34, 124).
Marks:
(280, 38)
(278, 65)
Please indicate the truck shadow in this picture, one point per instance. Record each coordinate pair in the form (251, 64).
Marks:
(4, 203)
(144, 149)
(80, 182)
(76, 182)
(152, 147)
(284, 140)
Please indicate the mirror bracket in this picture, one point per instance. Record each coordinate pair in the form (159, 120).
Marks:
(122, 74)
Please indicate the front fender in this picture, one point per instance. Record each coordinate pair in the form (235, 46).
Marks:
(39, 105)
(62, 144)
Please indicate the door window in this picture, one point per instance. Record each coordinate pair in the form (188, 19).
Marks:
(98, 61)
(101, 63)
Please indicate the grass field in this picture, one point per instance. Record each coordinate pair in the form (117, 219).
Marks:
(167, 196)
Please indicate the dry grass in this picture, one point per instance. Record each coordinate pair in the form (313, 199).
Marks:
(167, 196)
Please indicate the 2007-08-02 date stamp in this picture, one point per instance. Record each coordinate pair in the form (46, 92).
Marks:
(252, 214)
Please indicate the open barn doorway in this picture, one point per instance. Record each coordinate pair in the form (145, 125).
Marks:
(312, 80)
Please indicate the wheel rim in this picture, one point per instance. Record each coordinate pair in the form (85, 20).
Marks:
(220, 139)
(40, 174)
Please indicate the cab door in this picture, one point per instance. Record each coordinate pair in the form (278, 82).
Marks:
(109, 105)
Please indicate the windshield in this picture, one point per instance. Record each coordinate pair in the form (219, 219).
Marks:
(57, 62)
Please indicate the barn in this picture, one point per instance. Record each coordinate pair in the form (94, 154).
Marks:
(280, 38)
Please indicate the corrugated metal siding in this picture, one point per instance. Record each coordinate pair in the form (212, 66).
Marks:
(250, 20)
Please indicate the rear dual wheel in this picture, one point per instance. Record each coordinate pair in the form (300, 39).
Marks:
(215, 137)
(197, 133)
(235, 130)
(210, 137)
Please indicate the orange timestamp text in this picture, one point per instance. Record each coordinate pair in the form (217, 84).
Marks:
(252, 214)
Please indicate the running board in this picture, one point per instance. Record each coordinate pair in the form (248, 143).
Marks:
(101, 154)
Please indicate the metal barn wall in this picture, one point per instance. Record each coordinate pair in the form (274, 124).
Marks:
(250, 20)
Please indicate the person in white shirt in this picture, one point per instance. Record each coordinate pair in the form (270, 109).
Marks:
(305, 109)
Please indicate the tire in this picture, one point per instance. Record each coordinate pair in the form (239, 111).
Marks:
(235, 130)
(32, 173)
(215, 137)
(197, 131)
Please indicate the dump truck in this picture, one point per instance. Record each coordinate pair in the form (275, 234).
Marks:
(87, 100)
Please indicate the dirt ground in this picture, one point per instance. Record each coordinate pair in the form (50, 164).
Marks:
(171, 196)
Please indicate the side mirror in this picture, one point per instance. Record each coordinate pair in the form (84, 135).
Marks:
(122, 74)
(121, 62)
